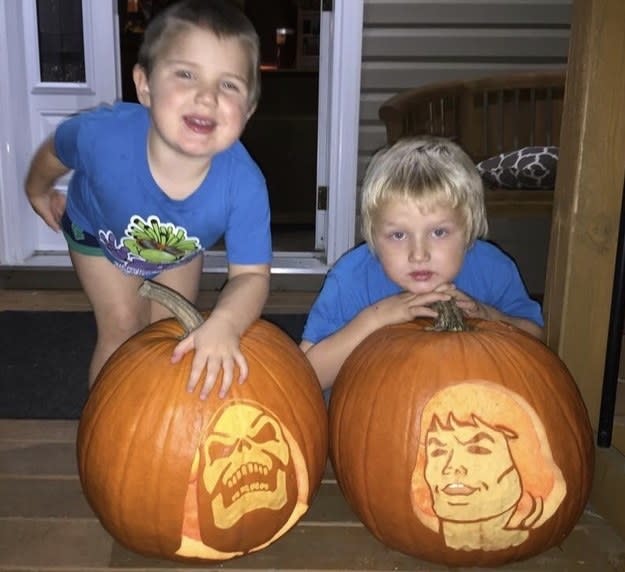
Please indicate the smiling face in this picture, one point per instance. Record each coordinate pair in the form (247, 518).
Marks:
(198, 94)
(470, 472)
(419, 249)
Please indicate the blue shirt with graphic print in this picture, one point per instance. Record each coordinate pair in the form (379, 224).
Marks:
(113, 196)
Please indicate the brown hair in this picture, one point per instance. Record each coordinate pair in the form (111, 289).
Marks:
(221, 17)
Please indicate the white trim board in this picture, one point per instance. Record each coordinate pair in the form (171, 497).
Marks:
(214, 262)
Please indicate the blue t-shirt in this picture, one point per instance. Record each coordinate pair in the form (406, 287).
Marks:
(113, 196)
(358, 280)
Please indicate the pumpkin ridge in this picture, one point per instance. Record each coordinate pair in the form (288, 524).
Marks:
(124, 511)
(163, 522)
(120, 493)
(261, 362)
(565, 415)
(95, 414)
(368, 477)
(361, 508)
(494, 351)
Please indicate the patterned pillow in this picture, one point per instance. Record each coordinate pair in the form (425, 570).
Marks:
(527, 168)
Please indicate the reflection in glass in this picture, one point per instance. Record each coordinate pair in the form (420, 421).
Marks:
(61, 46)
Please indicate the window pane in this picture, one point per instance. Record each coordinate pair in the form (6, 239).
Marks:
(61, 47)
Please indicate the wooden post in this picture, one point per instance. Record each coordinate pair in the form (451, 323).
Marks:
(587, 198)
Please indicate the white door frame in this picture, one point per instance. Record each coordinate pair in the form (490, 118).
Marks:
(15, 140)
(17, 245)
(338, 117)
(343, 129)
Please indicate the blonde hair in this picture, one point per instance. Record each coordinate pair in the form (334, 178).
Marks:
(432, 171)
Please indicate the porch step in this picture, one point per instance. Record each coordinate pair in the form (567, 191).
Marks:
(46, 524)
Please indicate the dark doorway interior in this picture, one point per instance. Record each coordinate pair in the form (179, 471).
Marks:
(282, 134)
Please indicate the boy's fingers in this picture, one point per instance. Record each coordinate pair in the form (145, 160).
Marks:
(243, 369)
(209, 382)
(226, 380)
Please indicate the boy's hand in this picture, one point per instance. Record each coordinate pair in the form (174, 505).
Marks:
(46, 168)
(50, 206)
(216, 346)
(472, 308)
(406, 306)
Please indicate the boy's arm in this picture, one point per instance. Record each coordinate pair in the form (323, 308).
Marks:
(475, 309)
(522, 323)
(328, 355)
(45, 169)
(243, 297)
(217, 341)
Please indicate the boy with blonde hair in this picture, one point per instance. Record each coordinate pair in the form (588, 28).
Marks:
(424, 223)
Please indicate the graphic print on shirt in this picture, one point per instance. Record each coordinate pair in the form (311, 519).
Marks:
(149, 246)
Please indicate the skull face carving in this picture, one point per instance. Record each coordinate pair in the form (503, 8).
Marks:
(246, 476)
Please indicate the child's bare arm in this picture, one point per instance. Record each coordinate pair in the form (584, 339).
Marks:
(489, 313)
(526, 325)
(45, 169)
(328, 355)
(217, 341)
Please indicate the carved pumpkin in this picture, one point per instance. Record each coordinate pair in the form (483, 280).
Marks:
(465, 448)
(176, 477)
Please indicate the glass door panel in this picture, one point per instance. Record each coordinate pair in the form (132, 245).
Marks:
(61, 46)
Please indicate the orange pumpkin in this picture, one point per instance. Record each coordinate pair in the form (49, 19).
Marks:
(176, 477)
(465, 448)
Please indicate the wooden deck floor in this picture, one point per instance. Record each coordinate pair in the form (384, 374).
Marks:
(68, 300)
(46, 524)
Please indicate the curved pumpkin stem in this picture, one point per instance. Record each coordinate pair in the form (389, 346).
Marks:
(450, 318)
(186, 313)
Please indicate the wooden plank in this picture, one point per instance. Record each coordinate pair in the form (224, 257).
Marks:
(370, 104)
(20, 432)
(462, 44)
(399, 75)
(587, 198)
(510, 203)
(607, 492)
(38, 458)
(78, 544)
(75, 300)
(587, 205)
(48, 527)
(62, 497)
(371, 138)
(501, 12)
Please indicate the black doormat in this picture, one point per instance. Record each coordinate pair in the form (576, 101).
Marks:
(44, 361)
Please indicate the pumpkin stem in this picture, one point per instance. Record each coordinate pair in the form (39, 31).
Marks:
(186, 313)
(450, 318)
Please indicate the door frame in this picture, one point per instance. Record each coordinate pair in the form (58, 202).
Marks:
(344, 122)
(14, 137)
(342, 117)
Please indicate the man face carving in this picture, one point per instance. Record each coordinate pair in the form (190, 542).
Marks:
(470, 472)
(486, 474)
